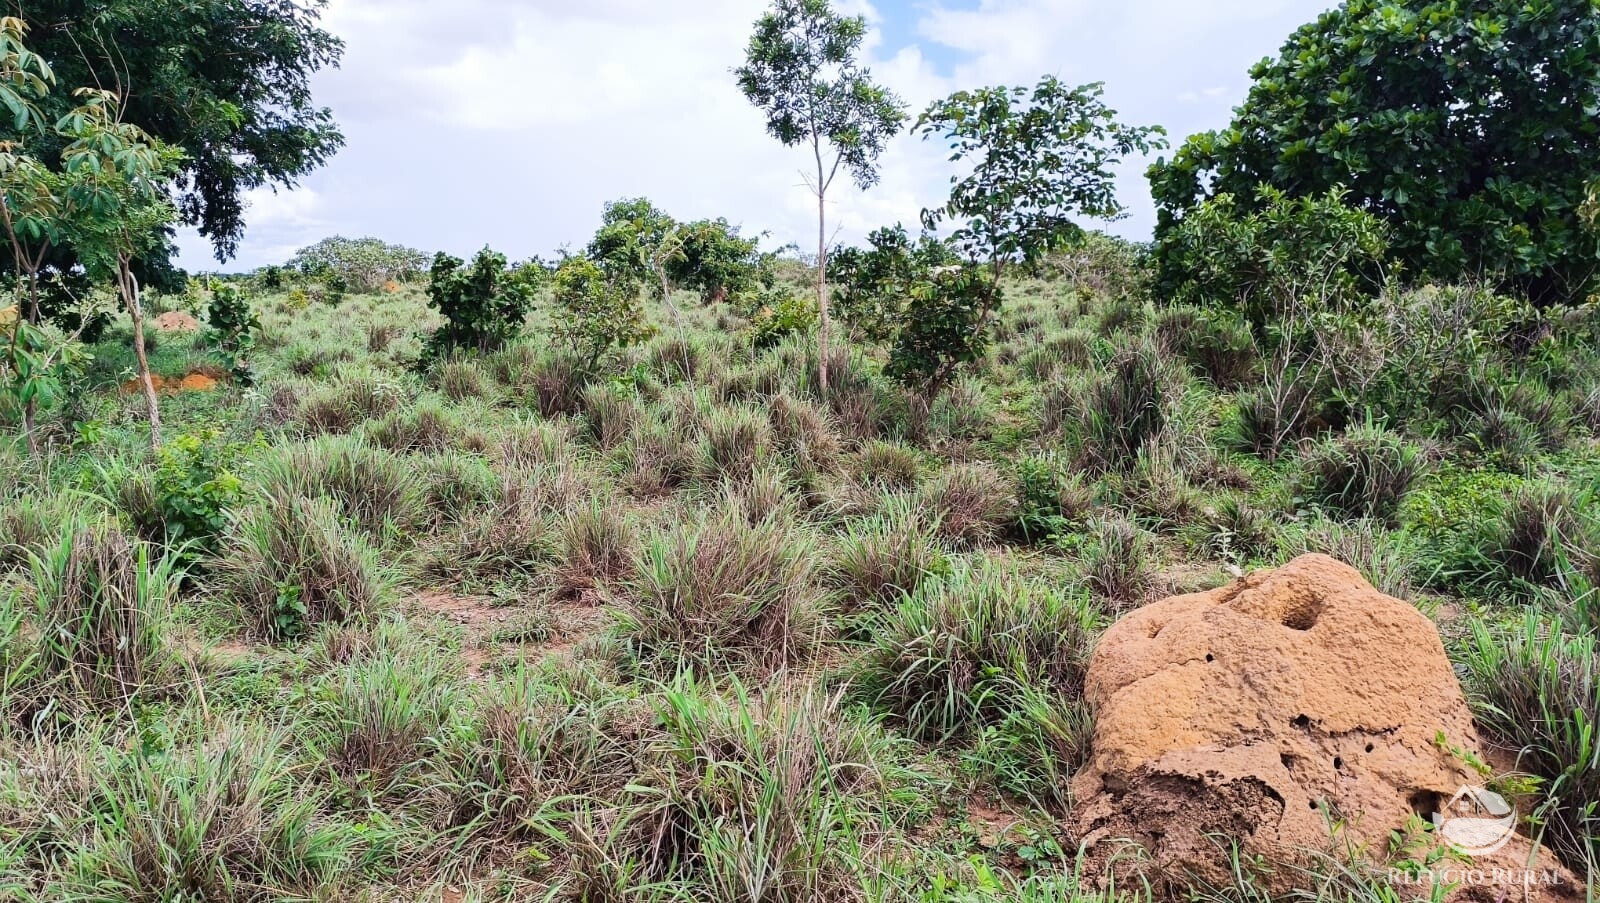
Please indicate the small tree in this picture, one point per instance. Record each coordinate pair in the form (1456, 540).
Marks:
(595, 312)
(801, 71)
(1041, 157)
(484, 305)
(116, 187)
(361, 265)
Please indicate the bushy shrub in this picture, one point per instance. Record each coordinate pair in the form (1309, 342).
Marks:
(290, 565)
(1052, 497)
(595, 313)
(721, 593)
(184, 501)
(1217, 344)
(1269, 258)
(1365, 473)
(484, 304)
(957, 655)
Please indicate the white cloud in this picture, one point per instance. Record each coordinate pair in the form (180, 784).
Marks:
(511, 122)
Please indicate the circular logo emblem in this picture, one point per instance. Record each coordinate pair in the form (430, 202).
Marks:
(1476, 821)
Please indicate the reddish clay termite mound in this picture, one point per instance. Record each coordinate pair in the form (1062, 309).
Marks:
(1266, 712)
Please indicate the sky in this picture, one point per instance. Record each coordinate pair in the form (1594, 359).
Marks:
(512, 122)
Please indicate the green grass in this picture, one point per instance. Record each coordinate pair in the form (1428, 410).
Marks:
(688, 628)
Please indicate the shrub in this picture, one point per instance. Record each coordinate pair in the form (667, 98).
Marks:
(595, 313)
(956, 656)
(973, 503)
(375, 489)
(461, 380)
(1537, 689)
(290, 565)
(184, 501)
(1365, 473)
(1052, 497)
(721, 593)
(1282, 411)
(484, 304)
(1121, 563)
(234, 326)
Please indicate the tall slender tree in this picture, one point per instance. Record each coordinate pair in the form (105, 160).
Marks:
(801, 70)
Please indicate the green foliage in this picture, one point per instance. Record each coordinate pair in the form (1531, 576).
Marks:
(945, 327)
(228, 80)
(801, 71)
(234, 325)
(1537, 688)
(640, 243)
(360, 265)
(1454, 124)
(785, 316)
(484, 304)
(184, 503)
(1275, 259)
(1041, 156)
(872, 285)
(594, 312)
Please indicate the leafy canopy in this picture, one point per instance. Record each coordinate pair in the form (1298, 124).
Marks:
(1277, 255)
(484, 304)
(1041, 158)
(1471, 128)
(228, 80)
(595, 312)
(362, 265)
(801, 71)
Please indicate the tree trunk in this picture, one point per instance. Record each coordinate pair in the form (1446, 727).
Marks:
(823, 322)
(130, 294)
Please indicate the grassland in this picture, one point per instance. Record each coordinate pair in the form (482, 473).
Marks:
(686, 629)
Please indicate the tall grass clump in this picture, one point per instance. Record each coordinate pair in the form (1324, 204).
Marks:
(958, 654)
(1536, 688)
(377, 490)
(722, 593)
(1121, 563)
(289, 564)
(1128, 408)
(88, 629)
(598, 544)
(883, 558)
(231, 818)
(1366, 473)
(1544, 533)
(973, 503)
